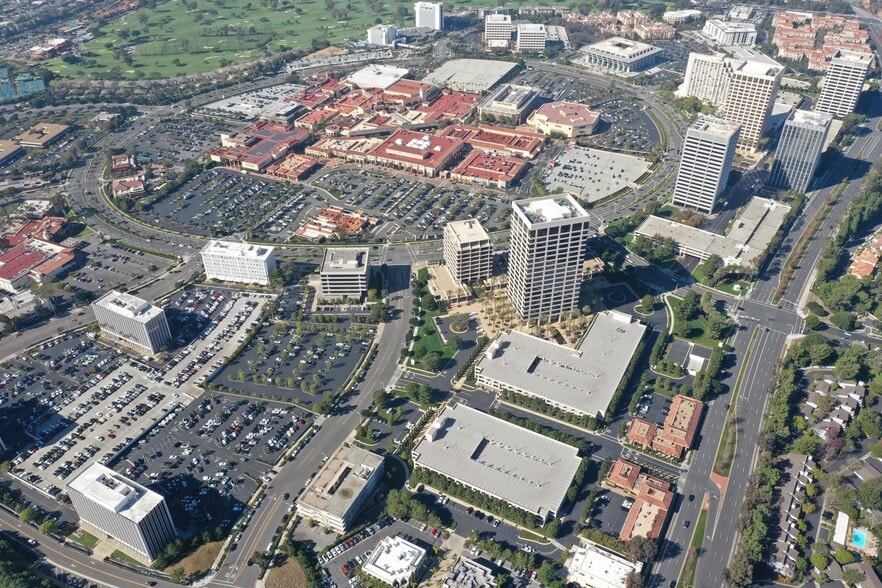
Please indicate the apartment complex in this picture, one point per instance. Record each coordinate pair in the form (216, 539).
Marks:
(730, 34)
(244, 263)
(799, 150)
(138, 519)
(133, 321)
(497, 30)
(499, 459)
(705, 163)
(468, 251)
(531, 38)
(844, 82)
(429, 15)
(580, 381)
(817, 38)
(340, 489)
(345, 273)
(547, 247)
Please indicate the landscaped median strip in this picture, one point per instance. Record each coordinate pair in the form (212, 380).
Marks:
(687, 573)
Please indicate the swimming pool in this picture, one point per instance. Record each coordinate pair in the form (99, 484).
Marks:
(859, 538)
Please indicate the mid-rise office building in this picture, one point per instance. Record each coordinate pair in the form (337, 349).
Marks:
(497, 30)
(429, 15)
(345, 273)
(843, 83)
(136, 518)
(133, 321)
(468, 251)
(395, 561)
(752, 91)
(381, 34)
(621, 55)
(546, 251)
(799, 150)
(531, 38)
(730, 34)
(705, 163)
(238, 262)
(338, 492)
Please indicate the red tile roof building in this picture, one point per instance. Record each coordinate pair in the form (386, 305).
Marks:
(497, 140)
(33, 259)
(293, 168)
(569, 119)
(495, 171)
(797, 36)
(48, 228)
(259, 145)
(653, 499)
(127, 187)
(418, 152)
(675, 438)
(334, 221)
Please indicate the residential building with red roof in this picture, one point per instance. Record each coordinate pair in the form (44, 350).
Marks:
(817, 37)
(569, 119)
(495, 171)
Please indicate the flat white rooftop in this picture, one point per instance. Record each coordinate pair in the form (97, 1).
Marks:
(470, 75)
(863, 59)
(546, 210)
(582, 379)
(377, 76)
(128, 305)
(468, 231)
(623, 48)
(394, 560)
(526, 469)
(809, 118)
(346, 261)
(714, 126)
(590, 565)
(498, 18)
(231, 249)
(115, 492)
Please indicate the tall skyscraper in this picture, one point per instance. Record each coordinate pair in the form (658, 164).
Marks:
(705, 163)
(547, 248)
(752, 92)
(706, 78)
(429, 15)
(799, 150)
(115, 506)
(843, 82)
(497, 30)
(468, 252)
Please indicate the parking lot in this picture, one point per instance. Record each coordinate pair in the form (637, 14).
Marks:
(173, 141)
(110, 265)
(221, 202)
(592, 174)
(387, 437)
(410, 207)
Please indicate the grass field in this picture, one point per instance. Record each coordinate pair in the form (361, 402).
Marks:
(126, 557)
(83, 538)
(289, 575)
(697, 327)
(195, 36)
(198, 562)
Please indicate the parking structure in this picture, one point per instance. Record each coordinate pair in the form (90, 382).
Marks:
(592, 174)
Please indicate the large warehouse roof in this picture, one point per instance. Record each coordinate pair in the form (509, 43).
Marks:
(526, 469)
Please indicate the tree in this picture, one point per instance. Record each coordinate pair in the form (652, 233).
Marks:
(812, 322)
(844, 320)
(641, 549)
(870, 494)
(177, 574)
(454, 341)
(843, 557)
(740, 571)
(646, 304)
(633, 580)
(546, 573)
(852, 576)
(27, 516)
(688, 307)
(819, 561)
(48, 527)
(432, 361)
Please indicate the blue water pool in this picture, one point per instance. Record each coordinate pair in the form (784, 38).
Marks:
(859, 538)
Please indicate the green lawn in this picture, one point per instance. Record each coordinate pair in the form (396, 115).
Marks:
(727, 287)
(83, 538)
(431, 342)
(173, 39)
(697, 327)
(125, 557)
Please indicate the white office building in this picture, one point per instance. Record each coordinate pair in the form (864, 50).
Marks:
(843, 83)
(799, 150)
(345, 273)
(706, 78)
(546, 251)
(429, 15)
(136, 518)
(338, 492)
(133, 321)
(381, 34)
(620, 55)
(730, 34)
(243, 263)
(531, 38)
(591, 565)
(468, 251)
(395, 561)
(705, 163)
(497, 30)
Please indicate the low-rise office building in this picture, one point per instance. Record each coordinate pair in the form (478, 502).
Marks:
(527, 470)
(136, 518)
(730, 34)
(345, 273)
(569, 119)
(244, 263)
(509, 103)
(676, 436)
(621, 55)
(133, 321)
(337, 493)
(395, 561)
(591, 565)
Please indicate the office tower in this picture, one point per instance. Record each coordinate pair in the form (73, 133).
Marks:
(799, 150)
(137, 518)
(497, 30)
(753, 88)
(705, 163)
(546, 251)
(727, 34)
(531, 38)
(843, 83)
(135, 322)
(345, 273)
(238, 262)
(468, 251)
(429, 15)
(382, 35)
(706, 78)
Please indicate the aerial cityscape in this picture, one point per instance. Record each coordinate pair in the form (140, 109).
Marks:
(391, 293)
